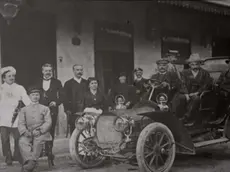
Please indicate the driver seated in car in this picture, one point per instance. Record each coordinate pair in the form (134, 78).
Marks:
(194, 81)
(168, 79)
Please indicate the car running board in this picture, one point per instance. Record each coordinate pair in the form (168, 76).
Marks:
(210, 142)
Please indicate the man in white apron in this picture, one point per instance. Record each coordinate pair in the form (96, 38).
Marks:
(10, 95)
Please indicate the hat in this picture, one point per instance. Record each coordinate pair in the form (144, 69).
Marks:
(138, 69)
(34, 89)
(90, 79)
(162, 61)
(4, 70)
(122, 74)
(194, 58)
(119, 96)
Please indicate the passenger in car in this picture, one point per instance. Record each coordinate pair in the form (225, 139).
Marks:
(195, 81)
(224, 79)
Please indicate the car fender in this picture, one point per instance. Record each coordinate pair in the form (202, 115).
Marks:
(183, 139)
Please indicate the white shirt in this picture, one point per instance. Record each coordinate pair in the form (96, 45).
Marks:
(9, 98)
(77, 79)
(194, 73)
(46, 84)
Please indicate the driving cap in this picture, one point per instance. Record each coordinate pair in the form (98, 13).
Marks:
(162, 61)
(7, 69)
(138, 69)
(34, 89)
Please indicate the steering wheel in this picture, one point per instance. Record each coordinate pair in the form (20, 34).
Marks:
(154, 83)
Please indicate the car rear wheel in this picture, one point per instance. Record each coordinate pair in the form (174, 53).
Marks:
(83, 149)
(156, 148)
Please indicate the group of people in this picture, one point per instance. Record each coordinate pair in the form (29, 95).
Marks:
(35, 123)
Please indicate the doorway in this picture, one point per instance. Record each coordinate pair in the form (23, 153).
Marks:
(221, 47)
(27, 43)
(113, 52)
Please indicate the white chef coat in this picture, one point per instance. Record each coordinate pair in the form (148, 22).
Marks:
(9, 98)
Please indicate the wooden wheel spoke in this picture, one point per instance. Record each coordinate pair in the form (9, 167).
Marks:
(164, 145)
(160, 157)
(152, 159)
(151, 153)
(161, 138)
(157, 164)
(147, 146)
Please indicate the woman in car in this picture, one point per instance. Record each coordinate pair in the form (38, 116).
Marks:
(94, 98)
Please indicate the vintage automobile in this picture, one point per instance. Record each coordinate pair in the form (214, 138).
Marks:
(149, 134)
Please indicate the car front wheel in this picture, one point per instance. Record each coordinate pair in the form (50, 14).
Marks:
(84, 150)
(156, 148)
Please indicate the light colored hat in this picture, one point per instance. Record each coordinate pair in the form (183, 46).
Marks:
(194, 58)
(8, 69)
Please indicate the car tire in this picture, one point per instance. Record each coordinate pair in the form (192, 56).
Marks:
(73, 148)
(144, 138)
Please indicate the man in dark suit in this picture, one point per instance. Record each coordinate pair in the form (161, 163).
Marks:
(75, 89)
(139, 83)
(168, 79)
(195, 81)
(52, 94)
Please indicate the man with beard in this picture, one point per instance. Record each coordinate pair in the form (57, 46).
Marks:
(139, 83)
(10, 95)
(169, 81)
(122, 88)
(75, 89)
(51, 94)
(195, 81)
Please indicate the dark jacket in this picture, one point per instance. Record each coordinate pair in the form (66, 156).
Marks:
(139, 85)
(96, 101)
(54, 93)
(74, 95)
(126, 90)
(170, 77)
(224, 80)
(197, 84)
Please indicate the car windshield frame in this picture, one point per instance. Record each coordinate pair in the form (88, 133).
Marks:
(218, 64)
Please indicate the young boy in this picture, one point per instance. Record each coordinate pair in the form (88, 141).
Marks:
(34, 125)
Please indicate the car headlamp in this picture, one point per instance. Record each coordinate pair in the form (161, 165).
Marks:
(121, 124)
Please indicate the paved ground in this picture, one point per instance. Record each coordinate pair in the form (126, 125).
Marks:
(216, 161)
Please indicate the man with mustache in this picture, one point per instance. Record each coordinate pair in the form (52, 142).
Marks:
(10, 95)
(139, 83)
(75, 89)
(52, 94)
(195, 81)
(168, 79)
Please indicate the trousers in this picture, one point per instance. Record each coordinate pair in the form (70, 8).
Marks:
(5, 137)
(54, 116)
(31, 148)
(182, 107)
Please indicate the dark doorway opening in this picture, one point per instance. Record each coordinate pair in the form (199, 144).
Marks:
(221, 47)
(27, 43)
(113, 53)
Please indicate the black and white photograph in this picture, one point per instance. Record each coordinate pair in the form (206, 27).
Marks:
(108, 86)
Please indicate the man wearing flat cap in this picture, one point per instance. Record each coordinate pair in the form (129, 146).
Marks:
(122, 88)
(34, 125)
(11, 94)
(169, 80)
(195, 81)
(139, 83)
